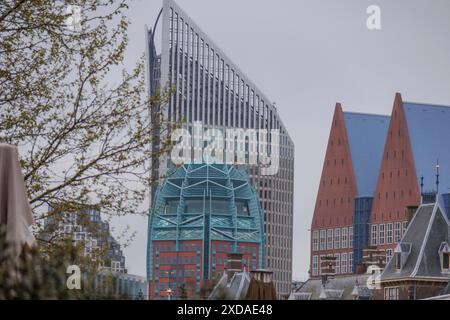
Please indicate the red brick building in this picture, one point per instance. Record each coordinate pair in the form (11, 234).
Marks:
(420, 267)
(418, 138)
(376, 169)
(349, 172)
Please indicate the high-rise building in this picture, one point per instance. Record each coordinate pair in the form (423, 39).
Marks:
(203, 213)
(344, 201)
(209, 88)
(415, 169)
(377, 171)
(88, 228)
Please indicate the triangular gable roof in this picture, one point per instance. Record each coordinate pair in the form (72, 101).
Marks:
(366, 135)
(429, 133)
(426, 231)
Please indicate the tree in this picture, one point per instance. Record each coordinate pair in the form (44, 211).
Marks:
(82, 136)
(83, 123)
(37, 275)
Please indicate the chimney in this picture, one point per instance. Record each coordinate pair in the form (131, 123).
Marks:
(412, 211)
(234, 264)
(264, 276)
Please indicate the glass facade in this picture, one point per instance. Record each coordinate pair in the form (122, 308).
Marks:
(210, 88)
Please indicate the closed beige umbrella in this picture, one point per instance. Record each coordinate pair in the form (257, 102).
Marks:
(15, 211)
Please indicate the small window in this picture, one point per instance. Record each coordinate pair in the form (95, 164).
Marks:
(391, 293)
(446, 261)
(398, 261)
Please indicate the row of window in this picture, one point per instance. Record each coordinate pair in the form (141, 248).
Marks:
(343, 264)
(389, 233)
(180, 260)
(180, 274)
(201, 74)
(215, 248)
(333, 239)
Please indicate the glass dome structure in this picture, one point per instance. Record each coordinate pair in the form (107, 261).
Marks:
(202, 213)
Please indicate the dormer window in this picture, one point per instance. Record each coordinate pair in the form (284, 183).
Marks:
(398, 261)
(446, 261)
(444, 253)
(401, 254)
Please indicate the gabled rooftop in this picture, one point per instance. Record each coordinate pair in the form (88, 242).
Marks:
(420, 245)
(340, 288)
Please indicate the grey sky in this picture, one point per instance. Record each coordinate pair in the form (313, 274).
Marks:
(306, 55)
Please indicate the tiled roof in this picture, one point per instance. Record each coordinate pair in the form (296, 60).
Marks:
(429, 132)
(425, 234)
(341, 288)
(367, 136)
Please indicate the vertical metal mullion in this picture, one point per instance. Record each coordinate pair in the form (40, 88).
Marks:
(229, 98)
(212, 106)
(203, 75)
(197, 77)
(207, 95)
(183, 81)
(174, 74)
(238, 105)
(188, 75)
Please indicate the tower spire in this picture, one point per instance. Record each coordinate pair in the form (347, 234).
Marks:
(421, 185)
(437, 177)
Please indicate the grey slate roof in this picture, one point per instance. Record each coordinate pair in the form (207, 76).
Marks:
(428, 229)
(235, 289)
(341, 288)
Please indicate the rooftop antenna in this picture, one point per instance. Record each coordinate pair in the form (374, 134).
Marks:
(421, 184)
(437, 176)
(421, 188)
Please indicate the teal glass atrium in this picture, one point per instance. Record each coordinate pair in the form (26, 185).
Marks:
(207, 204)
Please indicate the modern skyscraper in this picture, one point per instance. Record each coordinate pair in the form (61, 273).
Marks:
(88, 228)
(202, 214)
(210, 88)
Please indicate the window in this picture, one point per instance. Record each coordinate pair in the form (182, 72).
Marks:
(391, 293)
(242, 208)
(344, 238)
(350, 237)
(171, 207)
(397, 232)
(350, 262)
(330, 239)
(389, 253)
(344, 263)
(404, 227)
(398, 261)
(337, 264)
(446, 261)
(337, 238)
(315, 266)
(321, 266)
(389, 233)
(381, 236)
(322, 240)
(315, 240)
(374, 235)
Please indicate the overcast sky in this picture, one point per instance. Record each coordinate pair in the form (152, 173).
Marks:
(306, 55)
